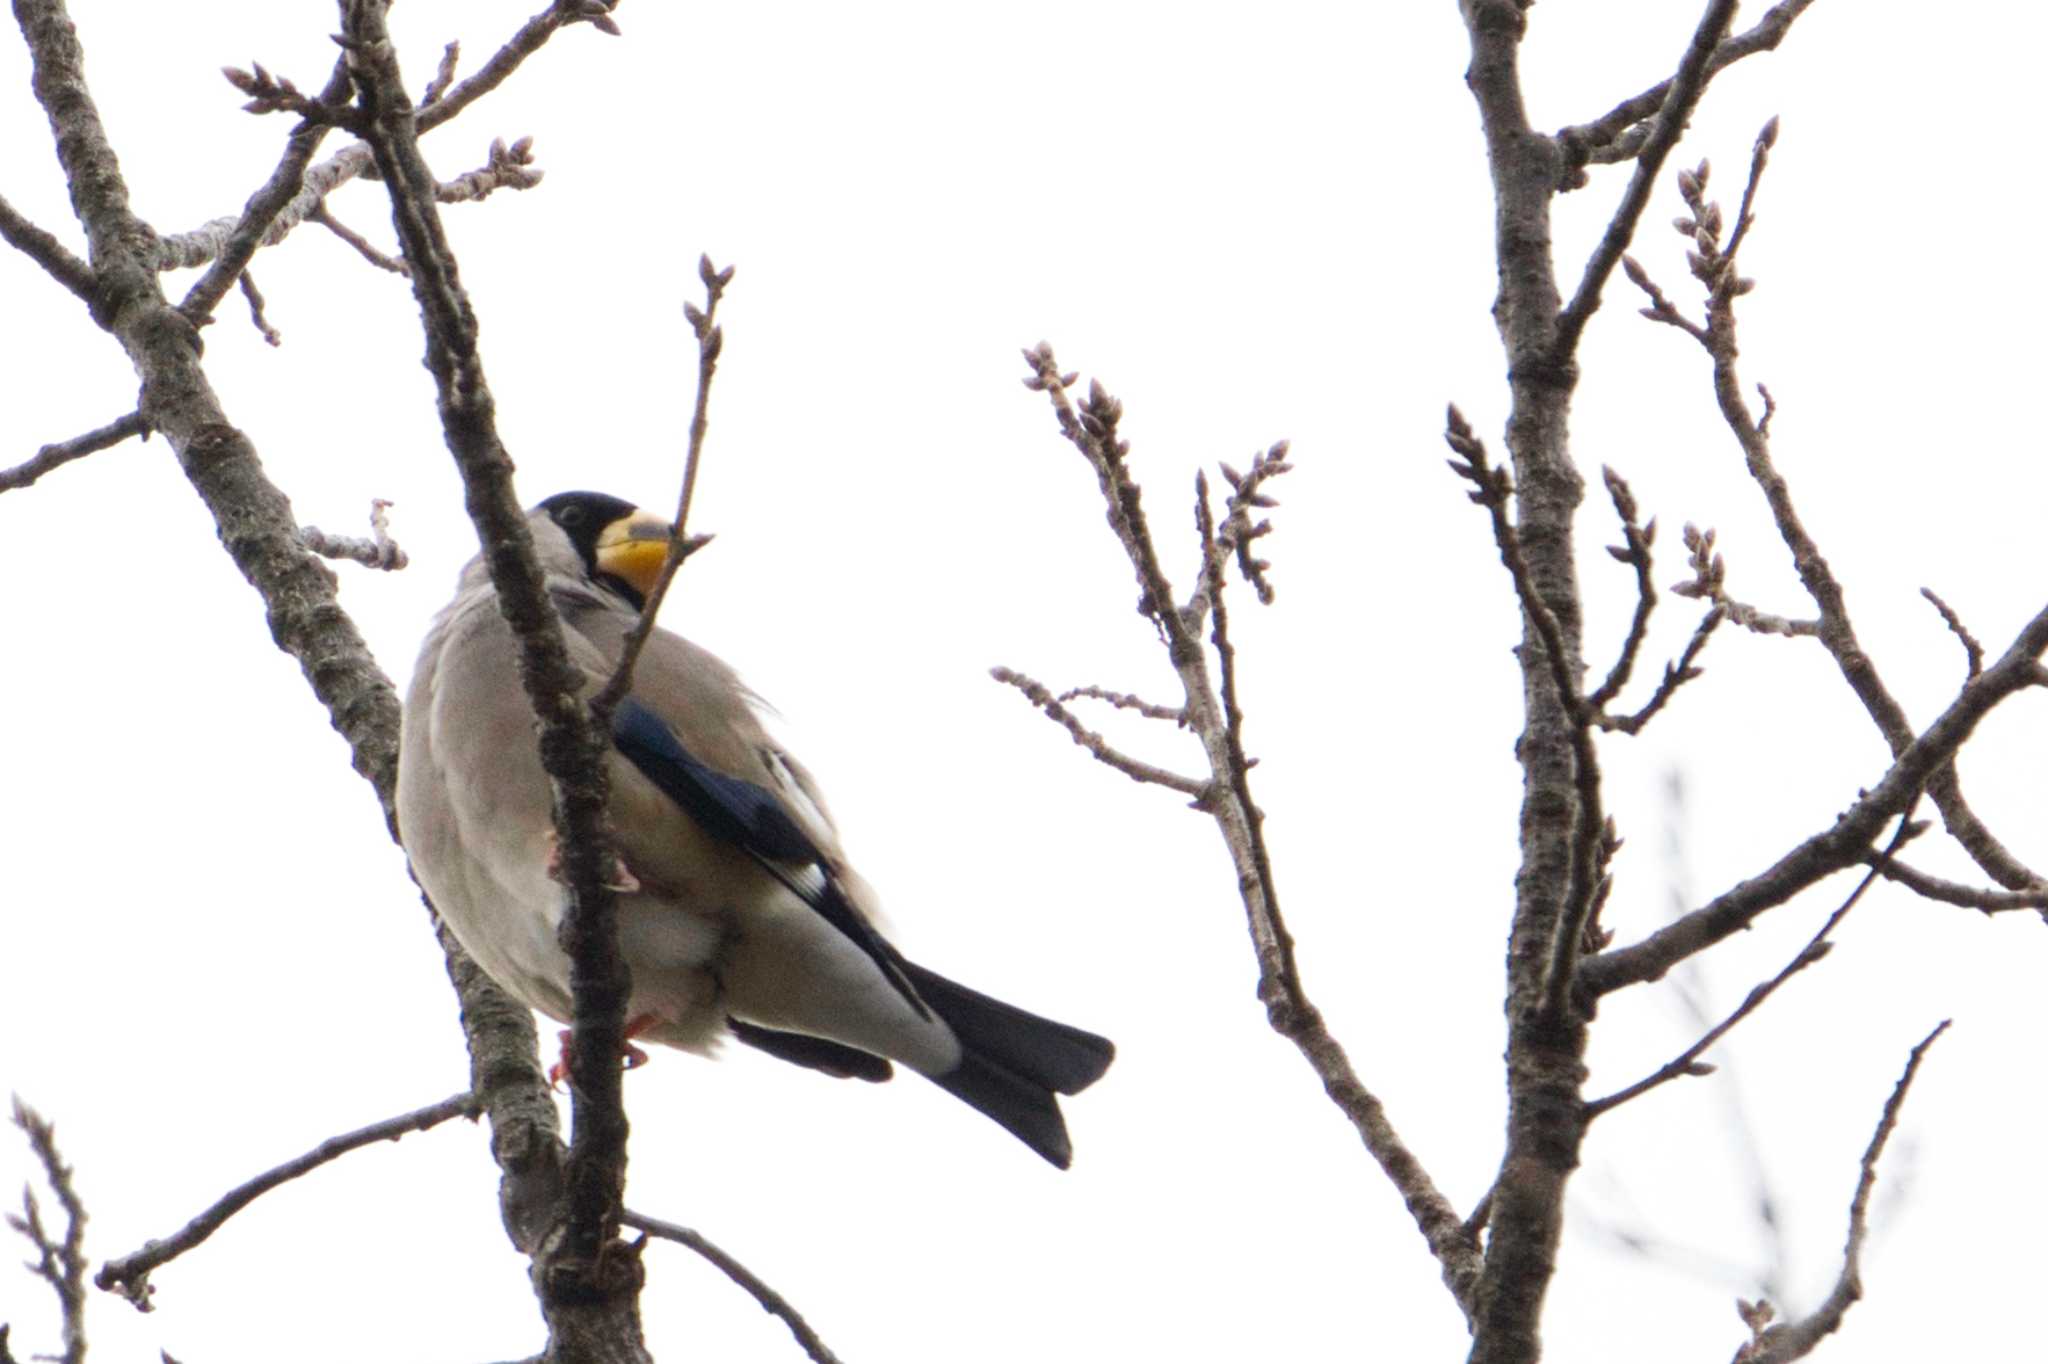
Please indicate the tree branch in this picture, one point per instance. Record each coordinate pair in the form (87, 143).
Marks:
(1093, 431)
(1834, 849)
(380, 551)
(1817, 947)
(587, 1282)
(260, 215)
(710, 342)
(1682, 95)
(59, 1263)
(1040, 695)
(129, 1275)
(78, 447)
(46, 251)
(1796, 1339)
(772, 1302)
(1600, 140)
(256, 526)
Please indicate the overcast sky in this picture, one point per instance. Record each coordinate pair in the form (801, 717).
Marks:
(1250, 225)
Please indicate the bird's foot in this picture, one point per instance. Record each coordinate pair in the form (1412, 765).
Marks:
(619, 880)
(631, 1059)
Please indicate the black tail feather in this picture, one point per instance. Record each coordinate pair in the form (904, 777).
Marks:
(1014, 1061)
(1026, 1108)
(834, 1058)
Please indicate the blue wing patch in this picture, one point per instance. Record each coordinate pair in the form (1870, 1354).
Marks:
(751, 819)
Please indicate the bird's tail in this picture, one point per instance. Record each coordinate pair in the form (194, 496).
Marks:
(1013, 1062)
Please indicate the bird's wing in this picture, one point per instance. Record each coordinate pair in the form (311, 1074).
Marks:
(757, 820)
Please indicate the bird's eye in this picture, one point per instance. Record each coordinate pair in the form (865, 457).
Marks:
(568, 518)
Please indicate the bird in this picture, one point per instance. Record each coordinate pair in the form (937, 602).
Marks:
(739, 915)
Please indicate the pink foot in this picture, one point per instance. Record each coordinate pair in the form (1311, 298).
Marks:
(621, 881)
(632, 1059)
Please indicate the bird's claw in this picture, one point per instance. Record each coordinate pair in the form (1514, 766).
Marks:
(619, 881)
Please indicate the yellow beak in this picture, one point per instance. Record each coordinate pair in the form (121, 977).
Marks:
(633, 549)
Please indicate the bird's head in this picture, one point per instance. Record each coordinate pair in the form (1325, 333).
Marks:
(618, 542)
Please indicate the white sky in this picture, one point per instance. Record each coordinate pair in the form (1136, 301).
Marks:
(1250, 227)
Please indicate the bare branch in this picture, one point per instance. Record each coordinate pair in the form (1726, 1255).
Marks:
(255, 299)
(1796, 1339)
(1817, 947)
(504, 168)
(710, 342)
(1682, 96)
(1714, 266)
(59, 1263)
(255, 524)
(531, 37)
(361, 244)
(260, 215)
(573, 1273)
(1842, 845)
(129, 1275)
(1575, 919)
(1605, 138)
(1933, 887)
(78, 447)
(1041, 696)
(1675, 676)
(46, 251)
(1093, 431)
(771, 1301)
(218, 239)
(1971, 648)
(380, 551)
(1177, 715)
(1710, 572)
(1239, 530)
(270, 94)
(1634, 550)
(444, 75)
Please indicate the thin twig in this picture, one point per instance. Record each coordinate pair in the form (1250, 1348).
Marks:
(1708, 583)
(1932, 887)
(1971, 648)
(505, 167)
(1177, 715)
(46, 251)
(710, 342)
(260, 216)
(255, 299)
(363, 248)
(1246, 495)
(1492, 488)
(1601, 139)
(1041, 696)
(61, 1264)
(1796, 1339)
(771, 1301)
(78, 447)
(380, 551)
(1844, 842)
(1714, 267)
(1092, 430)
(1817, 947)
(1675, 676)
(129, 1275)
(187, 250)
(1682, 96)
(1634, 550)
(444, 75)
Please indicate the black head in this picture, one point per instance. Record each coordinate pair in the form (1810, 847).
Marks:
(583, 517)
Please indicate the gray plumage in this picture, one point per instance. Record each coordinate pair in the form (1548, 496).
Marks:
(746, 919)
